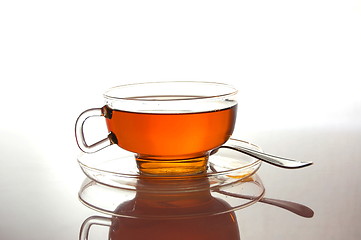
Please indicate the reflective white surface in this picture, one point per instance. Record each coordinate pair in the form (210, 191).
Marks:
(39, 195)
(296, 65)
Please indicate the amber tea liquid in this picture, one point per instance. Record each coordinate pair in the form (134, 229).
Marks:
(172, 143)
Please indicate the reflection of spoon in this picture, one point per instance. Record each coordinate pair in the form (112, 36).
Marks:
(274, 160)
(296, 208)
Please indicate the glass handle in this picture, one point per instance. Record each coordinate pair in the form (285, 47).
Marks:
(79, 132)
(94, 220)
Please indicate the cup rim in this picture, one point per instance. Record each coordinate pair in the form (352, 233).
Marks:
(231, 91)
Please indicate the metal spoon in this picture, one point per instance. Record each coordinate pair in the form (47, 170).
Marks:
(274, 160)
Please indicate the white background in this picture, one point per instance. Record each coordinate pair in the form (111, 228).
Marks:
(296, 64)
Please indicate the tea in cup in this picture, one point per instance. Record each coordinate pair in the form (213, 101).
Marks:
(170, 126)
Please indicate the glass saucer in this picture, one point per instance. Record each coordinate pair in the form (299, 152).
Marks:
(116, 167)
(176, 204)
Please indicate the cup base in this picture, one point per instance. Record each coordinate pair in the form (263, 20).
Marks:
(169, 167)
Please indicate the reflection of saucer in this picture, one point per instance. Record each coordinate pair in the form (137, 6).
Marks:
(170, 204)
(116, 167)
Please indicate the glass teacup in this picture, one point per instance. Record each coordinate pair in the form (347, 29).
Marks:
(170, 126)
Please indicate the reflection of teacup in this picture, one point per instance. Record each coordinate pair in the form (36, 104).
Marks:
(169, 213)
(171, 126)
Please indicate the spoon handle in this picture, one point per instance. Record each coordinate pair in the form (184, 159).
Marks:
(274, 160)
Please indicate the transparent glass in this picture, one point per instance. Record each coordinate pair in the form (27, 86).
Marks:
(170, 212)
(170, 126)
(116, 167)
